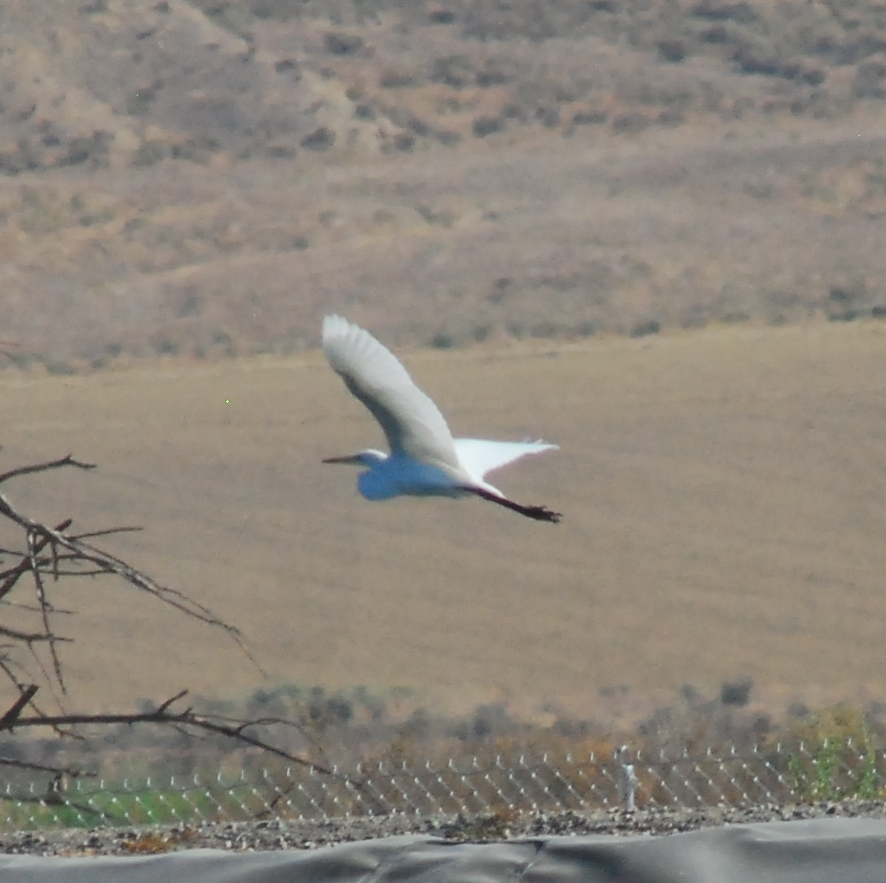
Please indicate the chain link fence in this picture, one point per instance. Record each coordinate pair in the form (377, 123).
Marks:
(505, 783)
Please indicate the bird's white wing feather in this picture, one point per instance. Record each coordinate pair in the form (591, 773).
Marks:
(479, 457)
(411, 421)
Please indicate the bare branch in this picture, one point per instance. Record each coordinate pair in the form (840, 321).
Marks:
(60, 610)
(7, 667)
(231, 728)
(105, 533)
(7, 722)
(51, 554)
(165, 706)
(103, 561)
(14, 763)
(43, 467)
(45, 609)
(29, 637)
(11, 576)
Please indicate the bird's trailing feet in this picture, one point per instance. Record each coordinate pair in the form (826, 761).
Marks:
(539, 513)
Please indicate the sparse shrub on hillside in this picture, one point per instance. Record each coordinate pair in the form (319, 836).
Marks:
(197, 150)
(59, 367)
(627, 123)
(328, 711)
(443, 340)
(593, 117)
(725, 10)
(737, 693)
(289, 67)
(338, 43)
(756, 57)
(512, 110)
(646, 327)
(441, 16)
(489, 721)
(694, 722)
(848, 299)
(150, 152)
(487, 125)
(442, 218)
(457, 333)
(319, 139)
(673, 49)
(406, 119)
(549, 116)
(453, 70)
(497, 70)
(280, 151)
(488, 20)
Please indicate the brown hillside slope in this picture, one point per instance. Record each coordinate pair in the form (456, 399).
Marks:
(209, 176)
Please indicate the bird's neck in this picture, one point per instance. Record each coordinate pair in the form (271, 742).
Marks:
(370, 457)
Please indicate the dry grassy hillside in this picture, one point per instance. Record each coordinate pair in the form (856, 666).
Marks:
(210, 177)
(723, 493)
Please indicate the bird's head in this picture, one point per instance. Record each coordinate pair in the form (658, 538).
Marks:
(368, 458)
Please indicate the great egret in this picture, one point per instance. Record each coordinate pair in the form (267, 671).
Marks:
(425, 460)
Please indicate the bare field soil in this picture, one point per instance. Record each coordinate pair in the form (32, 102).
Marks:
(723, 493)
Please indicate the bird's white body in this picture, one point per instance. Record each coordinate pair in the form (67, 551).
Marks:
(395, 475)
(425, 459)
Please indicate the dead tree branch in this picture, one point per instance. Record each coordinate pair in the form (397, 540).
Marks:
(231, 728)
(7, 722)
(51, 554)
(39, 537)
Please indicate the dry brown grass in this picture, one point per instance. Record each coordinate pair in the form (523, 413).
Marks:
(723, 495)
(529, 237)
(546, 170)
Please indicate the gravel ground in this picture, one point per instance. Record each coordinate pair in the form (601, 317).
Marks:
(282, 834)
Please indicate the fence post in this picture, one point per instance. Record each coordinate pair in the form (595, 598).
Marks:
(627, 779)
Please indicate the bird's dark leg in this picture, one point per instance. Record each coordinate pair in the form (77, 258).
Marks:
(539, 513)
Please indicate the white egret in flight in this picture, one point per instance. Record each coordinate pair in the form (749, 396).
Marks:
(425, 459)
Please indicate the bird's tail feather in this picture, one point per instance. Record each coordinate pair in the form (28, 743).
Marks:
(479, 457)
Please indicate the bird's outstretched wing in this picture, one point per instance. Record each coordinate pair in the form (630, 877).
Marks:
(411, 421)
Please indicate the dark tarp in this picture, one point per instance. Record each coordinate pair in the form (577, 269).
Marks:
(813, 851)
